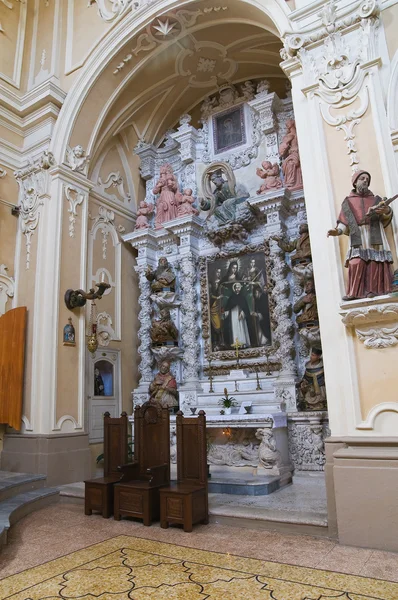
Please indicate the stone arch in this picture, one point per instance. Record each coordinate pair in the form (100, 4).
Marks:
(103, 59)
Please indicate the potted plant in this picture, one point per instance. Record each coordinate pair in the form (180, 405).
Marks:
(227, 402)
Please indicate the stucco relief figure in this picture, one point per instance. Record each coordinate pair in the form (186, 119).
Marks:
(268, 455)
(163, 389)
(185, 203)
(248, 90)
(306, 307)
(224, 198)
(270, 174)
(364, 218)
(289, 152)
(145, 210)
(207, 106)
(312, 390)
(77, 159)
(163, 277)
(166, 204)
(163, 329)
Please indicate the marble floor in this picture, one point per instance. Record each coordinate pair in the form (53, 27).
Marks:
(60, 529)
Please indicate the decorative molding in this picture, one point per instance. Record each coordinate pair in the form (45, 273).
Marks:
(65, 419)
(15, 80)
(189, 318)
(369, 422)
(3, 173)
(32, 183)
(74, 198)
(104, 221)
(164, 29)
(118, 8)
(113, 180)
(336, 70)
(375, 321)
(7, 285)
(307, 433)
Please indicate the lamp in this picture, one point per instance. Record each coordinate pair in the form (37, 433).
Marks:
(78, 298)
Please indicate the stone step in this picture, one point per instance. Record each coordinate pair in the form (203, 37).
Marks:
(12, 484)
(15, 508)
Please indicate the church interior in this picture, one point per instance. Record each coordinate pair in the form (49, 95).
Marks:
(198, 299)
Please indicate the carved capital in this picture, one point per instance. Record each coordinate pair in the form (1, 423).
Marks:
(375, 321)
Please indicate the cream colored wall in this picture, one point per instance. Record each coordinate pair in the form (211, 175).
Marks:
(390, 22)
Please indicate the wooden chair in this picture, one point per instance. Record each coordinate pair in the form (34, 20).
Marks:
(99, 492)
(186, 502)
(137, 495)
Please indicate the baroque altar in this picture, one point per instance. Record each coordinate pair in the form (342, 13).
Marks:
(227, 300)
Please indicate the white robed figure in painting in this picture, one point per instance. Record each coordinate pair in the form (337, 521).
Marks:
(236, 318)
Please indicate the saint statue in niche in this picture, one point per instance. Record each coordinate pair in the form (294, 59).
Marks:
(312, 390)
(224, 198)
(306, 307)
(99, 388)
(166, 204)
(289, 152)
(163, 277)
(163, 389)
(163, 329)
(364, 217)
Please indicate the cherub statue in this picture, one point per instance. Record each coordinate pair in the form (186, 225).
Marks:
(207, 106)
(248, 89)
(263, 87)
(185, 203)
(270, 174)
(77, 159)
(145, 210)
(268, 455)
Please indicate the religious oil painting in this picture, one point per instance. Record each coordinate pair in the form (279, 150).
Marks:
(238, 302)
(229, 129)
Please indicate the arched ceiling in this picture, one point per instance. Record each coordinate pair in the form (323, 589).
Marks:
(179, 59)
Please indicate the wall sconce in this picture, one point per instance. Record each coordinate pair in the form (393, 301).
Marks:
(227, 431)
(78, 298)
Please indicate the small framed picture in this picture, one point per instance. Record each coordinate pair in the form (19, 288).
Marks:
(245, 407)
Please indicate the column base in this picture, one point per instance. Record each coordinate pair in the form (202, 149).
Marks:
(63, 458)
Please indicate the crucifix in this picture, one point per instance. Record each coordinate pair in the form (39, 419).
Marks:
(237, 345)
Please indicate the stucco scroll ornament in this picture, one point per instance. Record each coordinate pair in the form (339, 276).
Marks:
(74, 198)
(376, 325)
(114, 180)
(105, 331)
(77, 159)
(32, 182)
(117, 8)
(106, 218)
(6, 288)
(3, 173)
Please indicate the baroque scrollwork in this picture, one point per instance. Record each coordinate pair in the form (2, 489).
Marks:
(375, 325)
(7, 284)
(75, 198)
(306, 440)
(189, 317)
(32, 183)
(144, 334)
(117, 8)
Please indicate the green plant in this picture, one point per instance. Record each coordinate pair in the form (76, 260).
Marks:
(227, 401)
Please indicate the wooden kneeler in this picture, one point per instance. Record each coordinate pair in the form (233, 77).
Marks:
(186, 501)
(98, 493)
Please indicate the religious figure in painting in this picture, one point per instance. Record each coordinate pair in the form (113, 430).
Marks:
(306, 307)
(163, 389)
(270, 174)
(312, 390)
(289, 152)
(166, 204)
(225, 201)
(254, 274)
(233, 274)
(364, 218)
(163, 277)
(216, 308)
(185, 203)
(237, 318)
(260, 315)
(163, 329)
(145, 210)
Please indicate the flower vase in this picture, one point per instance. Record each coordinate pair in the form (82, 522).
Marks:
(227, 410)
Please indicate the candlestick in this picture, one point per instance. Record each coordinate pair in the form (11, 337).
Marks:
(258, 381)
(211, 391)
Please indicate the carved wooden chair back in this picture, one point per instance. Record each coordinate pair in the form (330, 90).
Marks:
(152, 437)
(191, 449)
(115, 443)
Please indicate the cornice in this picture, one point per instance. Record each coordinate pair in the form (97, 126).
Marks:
(45, 93)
